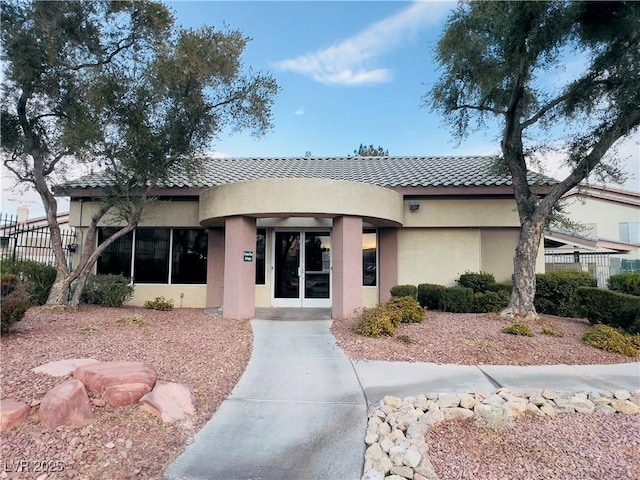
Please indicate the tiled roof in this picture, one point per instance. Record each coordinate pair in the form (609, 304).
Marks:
(381, 171)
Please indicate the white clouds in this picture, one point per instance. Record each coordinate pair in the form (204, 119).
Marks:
(349, 61)
(299, 112)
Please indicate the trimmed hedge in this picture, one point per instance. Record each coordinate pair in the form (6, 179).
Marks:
(555, 292)
(628, 283)
(430, 295)
(404, 291)
(490, 302)
(609, 308)
(457, 300)
(500, 287)
(477, 281)
(107, 290)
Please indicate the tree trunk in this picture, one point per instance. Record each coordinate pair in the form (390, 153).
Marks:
(524, 271)
(81, 281)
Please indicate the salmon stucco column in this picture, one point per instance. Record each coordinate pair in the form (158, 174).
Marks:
(215, 267)
(388, 258)
(347, 266)
(239, 298)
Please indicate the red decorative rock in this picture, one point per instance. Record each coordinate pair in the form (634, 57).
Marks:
(66, 404)
(119, 383)
(62, 368)
(12, 414)
(169, 401)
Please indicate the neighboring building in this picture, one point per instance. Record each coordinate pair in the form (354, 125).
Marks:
(313, 232)
(611, 239)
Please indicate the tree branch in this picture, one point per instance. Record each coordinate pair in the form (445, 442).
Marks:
(544, 110)
(497, 111)
(49, 169)
(130, 42)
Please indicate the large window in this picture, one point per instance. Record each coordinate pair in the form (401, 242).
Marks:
(629, 232)
(189, 258)
(151, 249)
(116, 259)
(151, 258)
(369, 258)
(261, 248)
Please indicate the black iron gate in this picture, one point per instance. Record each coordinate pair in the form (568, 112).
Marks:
(21, 241)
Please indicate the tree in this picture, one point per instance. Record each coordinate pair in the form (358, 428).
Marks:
(497, 58)
(114, 88)
(371, 151)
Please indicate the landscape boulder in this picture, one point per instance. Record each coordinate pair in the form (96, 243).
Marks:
(12, 414)
(66, 404)
(62, 368)
(119, 383)
(170, 401)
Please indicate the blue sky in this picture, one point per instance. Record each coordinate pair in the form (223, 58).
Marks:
(351, 72)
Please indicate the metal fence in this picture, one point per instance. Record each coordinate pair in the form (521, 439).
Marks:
(22, 241)
(597, 264)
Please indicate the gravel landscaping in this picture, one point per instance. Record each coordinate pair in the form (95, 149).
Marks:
(585, 446)
(209, 354)
(184, 345)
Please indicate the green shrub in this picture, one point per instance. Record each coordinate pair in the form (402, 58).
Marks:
(107, 290)
(628, 283)
(610, 308)
(15, 300)
(377, 321)
(404, 291)
(457, 300)
(490, 302)
(551, 332)
(159, 303)
(477, 281)
(518, 329)
(430, 295)
(555, 292)
(40, 277)
(409, 307)
(500, 287)
(610, 339)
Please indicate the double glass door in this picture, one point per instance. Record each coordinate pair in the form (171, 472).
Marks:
(302, 269)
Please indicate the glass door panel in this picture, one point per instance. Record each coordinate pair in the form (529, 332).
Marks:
(302, 269)
(317, 265)
(287, 266)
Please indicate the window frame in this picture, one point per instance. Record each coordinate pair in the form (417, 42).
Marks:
(376, 256)
(132, 263)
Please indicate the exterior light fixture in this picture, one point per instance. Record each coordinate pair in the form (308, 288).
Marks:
(414, 205)
(72, 247)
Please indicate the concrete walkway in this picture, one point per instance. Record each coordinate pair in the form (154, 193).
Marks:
(297, 413)
(403, 379)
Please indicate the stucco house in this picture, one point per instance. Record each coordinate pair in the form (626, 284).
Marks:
(313, 232)
(610, 241)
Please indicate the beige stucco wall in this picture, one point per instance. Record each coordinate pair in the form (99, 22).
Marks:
(194, 295)
(157, 214)
(301, 197)
(370, 296)
(441, 255)
(473, 212)
(437, 255)
(498, 247)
